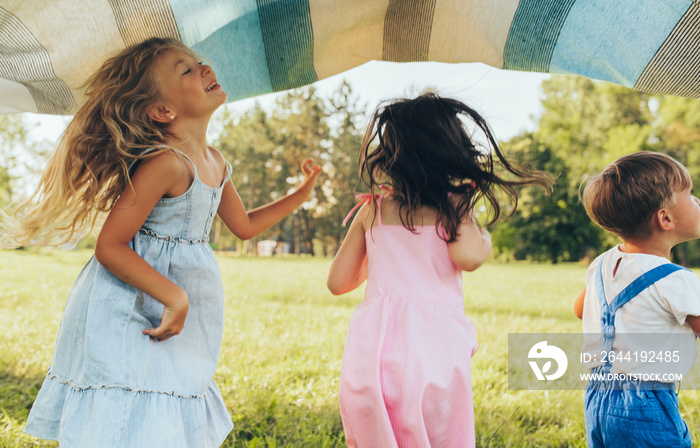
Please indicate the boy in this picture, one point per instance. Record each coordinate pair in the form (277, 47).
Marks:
(646, 200)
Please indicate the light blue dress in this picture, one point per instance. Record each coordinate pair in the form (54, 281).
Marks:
(109, 385)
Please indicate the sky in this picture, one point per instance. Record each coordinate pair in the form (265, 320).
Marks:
(508, 100)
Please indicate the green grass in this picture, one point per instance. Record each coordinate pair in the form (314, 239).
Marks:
(283, 345)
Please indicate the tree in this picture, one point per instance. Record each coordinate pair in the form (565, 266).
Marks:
(591, 123)
(302, 131)
(267, 148)
(545, 228)
(247, 142)
(677, 133)
(340, 166)
(585, 125)
(18, 155)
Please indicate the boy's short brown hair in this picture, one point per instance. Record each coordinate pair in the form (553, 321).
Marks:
(623, 198)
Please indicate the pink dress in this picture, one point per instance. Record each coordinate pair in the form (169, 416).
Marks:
(406, 378)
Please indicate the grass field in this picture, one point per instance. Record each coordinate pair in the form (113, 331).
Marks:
(283, 346)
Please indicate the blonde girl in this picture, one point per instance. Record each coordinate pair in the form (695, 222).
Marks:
(140, 336)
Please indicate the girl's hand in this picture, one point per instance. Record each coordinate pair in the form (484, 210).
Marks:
(173, 318)
(310, 175)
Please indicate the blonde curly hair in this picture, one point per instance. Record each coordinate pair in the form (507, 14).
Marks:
(90, 167)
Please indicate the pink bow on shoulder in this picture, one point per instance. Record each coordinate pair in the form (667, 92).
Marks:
(363, 199)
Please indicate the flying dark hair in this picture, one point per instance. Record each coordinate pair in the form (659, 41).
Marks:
(424, 152)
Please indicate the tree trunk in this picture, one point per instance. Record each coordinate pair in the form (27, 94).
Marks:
(297, 237)
(308, 233)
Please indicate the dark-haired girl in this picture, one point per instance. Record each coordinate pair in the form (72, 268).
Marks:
(406, 378)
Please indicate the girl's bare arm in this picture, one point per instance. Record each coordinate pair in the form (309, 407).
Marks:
(472, 246)
(578, 304)
(247, 224)
(349, 267)
(154, 178)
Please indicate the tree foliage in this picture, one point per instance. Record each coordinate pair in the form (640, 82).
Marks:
(266, 150)
(13, 133)
(584, 126)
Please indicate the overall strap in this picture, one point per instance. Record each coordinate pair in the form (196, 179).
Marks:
(607, 316)
(608, 311)
(643, 282)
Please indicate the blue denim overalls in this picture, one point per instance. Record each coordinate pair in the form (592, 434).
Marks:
(629, 413)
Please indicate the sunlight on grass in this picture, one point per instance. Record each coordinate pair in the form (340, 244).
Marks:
(283, 345)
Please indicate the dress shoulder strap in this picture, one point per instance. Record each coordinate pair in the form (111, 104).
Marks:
(229, 172)
(379, 210)
(363, 199)
(134, 163)
(194, 167)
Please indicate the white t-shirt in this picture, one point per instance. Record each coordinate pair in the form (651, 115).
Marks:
(661, 308)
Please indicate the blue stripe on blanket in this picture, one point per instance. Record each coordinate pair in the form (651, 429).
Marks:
(614, 40)
(228, 33)
(534, 33)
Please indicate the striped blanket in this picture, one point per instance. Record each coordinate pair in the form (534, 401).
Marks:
(49, 47)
